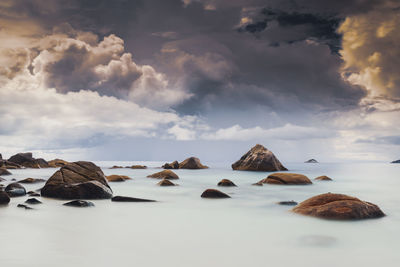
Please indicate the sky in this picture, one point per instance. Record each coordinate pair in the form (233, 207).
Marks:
(168, 79)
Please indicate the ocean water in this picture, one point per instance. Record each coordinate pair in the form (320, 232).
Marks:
(182, 229)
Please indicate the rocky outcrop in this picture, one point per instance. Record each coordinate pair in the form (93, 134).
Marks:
(338, 207)
(323, 178)
(396, 161)
(130, 199)
(5, 164)
(57, 163)
(118, 178)
(287, 203)
(136, 167)
(286, 179)
(172, 165)
(26, 160)
(165, 174)
(78, 180)
(31, 181)
(311, 161)
(4, 198)
(4, 172)
(33, 201)
(165, 182)
(213, 193)
(79, 203)
(15, 190)
(226, 182)
(258, 159)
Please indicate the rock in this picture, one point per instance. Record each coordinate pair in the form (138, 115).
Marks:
(33, 194)
(4, 172)
(79, 203)
(396, 161)
(323, 178)
(165, 174)
(56, 163)
(311, 161)
(1, 157)
(10, 165)
(226, 182)
(116, 167)
(118, 178)
(213, 193)
(26, 160)
(33, 201)
(4, 198)
(259, 183)
(2, 179)
(24, 207)
(286, 179)
(78, 180)
(192, 163)
(130, 199)
(173, 165)
(15, 190)
(31, 181)
(288, 203)
(165, 182)
(338, 207)
(136, 167)
(258, 159)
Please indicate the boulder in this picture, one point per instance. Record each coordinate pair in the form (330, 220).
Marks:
(396, 161)
(4, 172)
(56, 163)
(33, 201)
(31, 181)
(323, 178)
(213, 193)
(226, 182)
(4, 198)
(165, 182)
(26, 160)
(338, 207)
(192, 163)
(116, 167)
(286, 179)
(15, 190)
(165, 174)
(287, 203)
(258, 159)
(79, 203)
(77, 180)
(136, 167)
(173, 165)
(130, 199)
(118, 178)
(311, 161)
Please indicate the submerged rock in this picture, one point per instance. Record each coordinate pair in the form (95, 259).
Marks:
(4, 198)
(213, 193)
(258, 159)
(165, 182)
(338, 207)
(33, 194)
(226, 182)
(116, 167)
(118, 178)
(311, 161)
(24, 207)
(286, 179)
(79, 203)
(130, 199)
(15, 190)
(33, 201)
(78, 180)
(192, 163)
(4, 172)
(136, 167)
(165, 174)
(323, 178)
(396, 161)
(31, 181)
(173, 165)
(288, 203)
(55, 163)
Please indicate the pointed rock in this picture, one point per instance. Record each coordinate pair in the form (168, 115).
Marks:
(213, 193)
(323, 178)
(165, 182)
(192, 163)
(226, 182)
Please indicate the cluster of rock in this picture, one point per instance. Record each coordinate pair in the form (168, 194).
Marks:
(191, 163)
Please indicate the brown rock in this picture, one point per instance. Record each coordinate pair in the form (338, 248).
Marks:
(31, 181)
(78, 180)
(323, 178)
(173, 165)
(213, 193)
(226, 182)
(137, 167)
(26, 160)
(338, 207)
(258, 159)
(10, 165)
(165, 174)
(15, 190)
(116, 167)
(192, 163)
(118, 178)
(165, 182)
(56, 163)
(286, 179)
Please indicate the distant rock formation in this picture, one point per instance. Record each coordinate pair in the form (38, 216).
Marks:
(26, 160)
(395, 161)
(323, 178)
(173, 165)
(286, 179)
(136, 167)
(191, 163)
(165, 174)
(78, 180)
(258, 159)
(117, 178)
(338, 207)
(31, 181)
(311, 161)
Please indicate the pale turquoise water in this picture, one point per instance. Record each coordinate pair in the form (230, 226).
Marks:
(185, 230)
